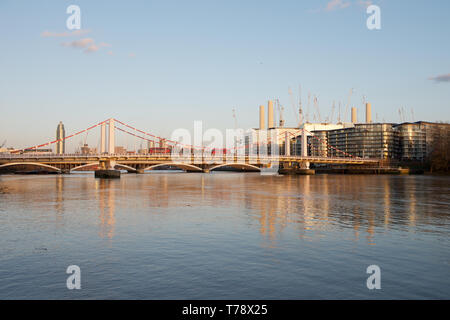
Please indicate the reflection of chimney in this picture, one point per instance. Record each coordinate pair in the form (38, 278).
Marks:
(354, 115)
(270, 114)
(368, 112)
(261, 118)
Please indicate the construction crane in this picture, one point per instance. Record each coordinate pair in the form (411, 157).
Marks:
(300, 108)
(307, 107)
(234, 117)
(339, 113)
(332, 111)
(280, 111)
(348, 103)
(316, 105)
(3, 144)
(291, 96)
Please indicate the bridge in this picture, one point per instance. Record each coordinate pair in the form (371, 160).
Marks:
(140, 163)
(186, 157)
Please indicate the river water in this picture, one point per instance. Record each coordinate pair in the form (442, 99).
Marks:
(223, 235)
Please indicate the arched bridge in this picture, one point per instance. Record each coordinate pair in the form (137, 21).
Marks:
(139, 163)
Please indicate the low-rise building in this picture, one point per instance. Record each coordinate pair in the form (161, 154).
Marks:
(365, 140)
(418, 140)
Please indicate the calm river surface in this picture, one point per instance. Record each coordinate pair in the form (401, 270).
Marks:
(224, 236)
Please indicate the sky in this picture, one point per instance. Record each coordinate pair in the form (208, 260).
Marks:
(161, 65)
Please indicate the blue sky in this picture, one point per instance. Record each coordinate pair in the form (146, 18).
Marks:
(160, 65)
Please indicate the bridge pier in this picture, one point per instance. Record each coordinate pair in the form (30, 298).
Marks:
(107, 174)
(289, 168)
(107, 170)
(301, 171)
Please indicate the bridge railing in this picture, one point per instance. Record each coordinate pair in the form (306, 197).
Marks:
(189, 158)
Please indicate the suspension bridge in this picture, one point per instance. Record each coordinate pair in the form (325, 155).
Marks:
(191, 158)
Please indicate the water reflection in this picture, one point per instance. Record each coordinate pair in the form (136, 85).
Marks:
(106, 192)
(365, 204)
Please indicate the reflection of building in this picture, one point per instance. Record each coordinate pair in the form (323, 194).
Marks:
(107, 207)
(60, 135)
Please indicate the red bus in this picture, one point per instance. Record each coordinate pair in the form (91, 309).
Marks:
(218, 152)
(159, 150)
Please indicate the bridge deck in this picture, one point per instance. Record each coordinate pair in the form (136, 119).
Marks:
(159, 158)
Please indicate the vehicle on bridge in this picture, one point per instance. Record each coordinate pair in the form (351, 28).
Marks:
(157, 150)
(219, 151)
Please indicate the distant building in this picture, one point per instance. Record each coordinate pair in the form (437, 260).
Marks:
(86, 150)
(120, 150)
(38, 151)
(417, 141)
(364, 140)
(60, 135)
(406, 141)
(162, 143)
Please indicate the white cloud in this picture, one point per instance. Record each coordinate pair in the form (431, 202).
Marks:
(87, 43)
(92, 48)
(441, 78)
(82, 43)
(364, 3)
(337, 4)
(49, 34)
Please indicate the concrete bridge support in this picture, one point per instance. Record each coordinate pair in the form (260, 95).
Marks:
(107, 170)
(111, 138)
(103, 138)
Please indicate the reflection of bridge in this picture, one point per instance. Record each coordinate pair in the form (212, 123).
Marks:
(140, 163)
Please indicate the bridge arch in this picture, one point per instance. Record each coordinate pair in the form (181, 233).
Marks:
(37, 164)
(184, 166)
(85, 166)
(236, 165)
(124, 166)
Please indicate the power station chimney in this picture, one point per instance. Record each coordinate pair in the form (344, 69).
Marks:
(368, 112)
(270, 115)
(354, 115)
(261, 118)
